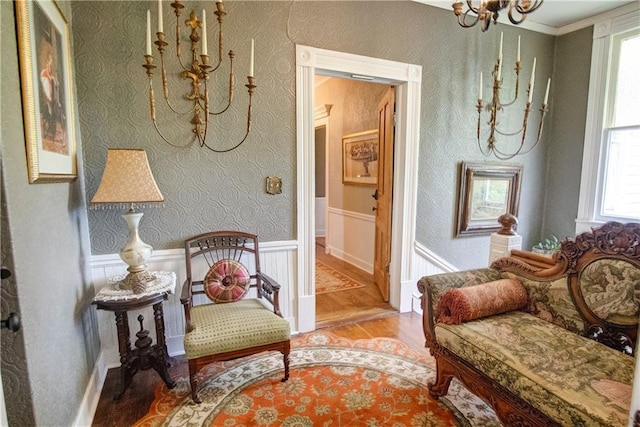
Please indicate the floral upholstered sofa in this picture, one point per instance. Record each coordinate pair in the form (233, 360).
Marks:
(543, 342)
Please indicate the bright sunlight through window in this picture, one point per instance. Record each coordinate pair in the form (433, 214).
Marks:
(621, 136)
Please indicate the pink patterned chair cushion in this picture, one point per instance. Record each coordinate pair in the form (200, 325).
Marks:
(226, 281)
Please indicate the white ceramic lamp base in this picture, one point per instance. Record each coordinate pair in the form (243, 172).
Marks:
(135, 254)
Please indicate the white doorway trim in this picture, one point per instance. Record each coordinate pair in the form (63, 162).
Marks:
(408, 79)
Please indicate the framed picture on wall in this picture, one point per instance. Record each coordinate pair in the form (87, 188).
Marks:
(47, 92)
(487, 191)
(360, 158)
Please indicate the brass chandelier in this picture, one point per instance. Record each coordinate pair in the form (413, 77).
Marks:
(197, 72)
(486, 10)
(495, 105)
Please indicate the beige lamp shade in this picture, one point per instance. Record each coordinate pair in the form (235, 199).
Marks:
(127, 178)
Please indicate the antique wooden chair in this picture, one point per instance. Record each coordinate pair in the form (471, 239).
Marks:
(221, 324)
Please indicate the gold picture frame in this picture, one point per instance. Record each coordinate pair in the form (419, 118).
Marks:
(487, 191)
(360, 158)
(47, 91)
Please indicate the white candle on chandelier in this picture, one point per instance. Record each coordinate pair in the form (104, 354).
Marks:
(160, 23)
(546, 93)
(533, 77)
(251, 59)
(148, 32)
(518, 55)
(204, 32)
(480, 92)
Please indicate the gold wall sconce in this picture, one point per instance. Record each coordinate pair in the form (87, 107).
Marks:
(197, 72)
(495, 105)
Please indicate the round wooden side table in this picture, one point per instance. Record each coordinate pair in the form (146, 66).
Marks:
(145, 355)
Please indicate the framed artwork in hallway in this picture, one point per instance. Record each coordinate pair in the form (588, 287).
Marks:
(360, 158)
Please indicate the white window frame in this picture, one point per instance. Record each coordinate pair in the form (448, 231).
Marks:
(592, 165)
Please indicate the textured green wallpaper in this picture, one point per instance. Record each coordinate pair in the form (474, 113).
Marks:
(46, 366)
(571, 89)
(205, 190)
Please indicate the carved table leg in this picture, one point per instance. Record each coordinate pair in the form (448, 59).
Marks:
(152, 356)
(127, 370)
(158, 315)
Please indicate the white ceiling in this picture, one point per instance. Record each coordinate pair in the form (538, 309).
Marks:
(554, 16)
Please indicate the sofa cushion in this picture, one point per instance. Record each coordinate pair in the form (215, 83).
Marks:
(551, 301)
(572, 379)
(477, 301)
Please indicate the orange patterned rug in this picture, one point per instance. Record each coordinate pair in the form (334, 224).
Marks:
(333, 382)
(330, 280)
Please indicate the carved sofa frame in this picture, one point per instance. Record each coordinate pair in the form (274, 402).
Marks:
(612, 241)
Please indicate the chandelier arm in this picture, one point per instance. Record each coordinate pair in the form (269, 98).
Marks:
(475, 10)
(508, 133)
(178, 45)
(488, 151)
(462, 20)
(232, 82)
(165, 89)
(251, 87)
(164, 138)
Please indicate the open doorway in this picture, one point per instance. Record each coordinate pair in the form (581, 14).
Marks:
(347, 167)
(407, 80)
(353, 187)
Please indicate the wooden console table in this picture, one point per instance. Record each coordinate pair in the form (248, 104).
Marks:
(145, 355)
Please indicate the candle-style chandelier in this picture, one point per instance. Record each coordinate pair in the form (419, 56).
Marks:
(495, 105)
(197, 71)
(485, 11)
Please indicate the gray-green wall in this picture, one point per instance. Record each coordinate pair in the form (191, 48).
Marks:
(206, 190)
(45, 241)
(566, 136)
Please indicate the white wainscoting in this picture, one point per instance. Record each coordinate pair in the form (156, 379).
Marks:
(277, 259)
(320, 218)
(426, 263)
(355, 245)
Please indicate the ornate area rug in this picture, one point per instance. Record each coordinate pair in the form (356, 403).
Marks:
(330, 280)
(333, 382)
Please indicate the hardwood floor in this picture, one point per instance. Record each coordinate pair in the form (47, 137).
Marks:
(352, 305)
(355, 314)
(406, 327)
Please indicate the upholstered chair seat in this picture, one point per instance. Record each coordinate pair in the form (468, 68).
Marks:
(224, 328)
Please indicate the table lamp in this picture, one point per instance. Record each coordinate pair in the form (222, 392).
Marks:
(127, 179)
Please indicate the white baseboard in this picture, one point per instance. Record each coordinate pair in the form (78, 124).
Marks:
(89, 403)
(360, 263)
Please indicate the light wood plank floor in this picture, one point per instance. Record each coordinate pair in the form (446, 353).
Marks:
(351, 305)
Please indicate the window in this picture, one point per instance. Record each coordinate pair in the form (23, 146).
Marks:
(610, 182)
(621, 133)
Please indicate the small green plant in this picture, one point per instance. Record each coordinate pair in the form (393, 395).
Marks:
(548, 245)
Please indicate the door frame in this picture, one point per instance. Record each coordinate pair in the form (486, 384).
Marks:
(408, 80)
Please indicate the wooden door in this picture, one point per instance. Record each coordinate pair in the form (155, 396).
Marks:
(384, 193)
